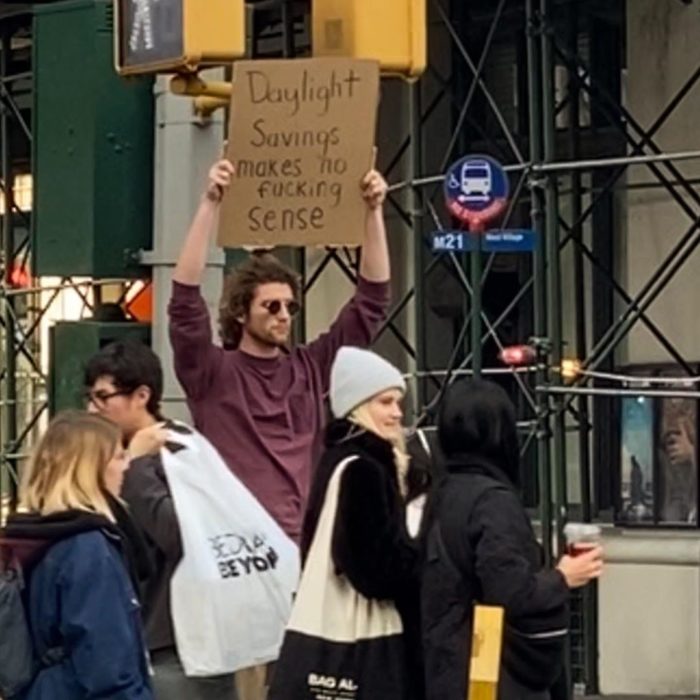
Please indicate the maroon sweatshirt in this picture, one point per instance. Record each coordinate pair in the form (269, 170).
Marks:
(265, 416)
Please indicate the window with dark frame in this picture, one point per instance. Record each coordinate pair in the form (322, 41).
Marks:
(657, 453)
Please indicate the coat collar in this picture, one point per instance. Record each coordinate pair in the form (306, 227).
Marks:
(346, 434)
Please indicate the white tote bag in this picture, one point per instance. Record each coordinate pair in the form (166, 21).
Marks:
(339, 645)
(231, 594)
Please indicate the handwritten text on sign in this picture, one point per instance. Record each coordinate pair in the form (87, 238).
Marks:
(301, 139)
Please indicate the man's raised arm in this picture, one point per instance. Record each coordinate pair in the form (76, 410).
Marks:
(374, 261)
(360, 319)
(193, 256)
(194, 354)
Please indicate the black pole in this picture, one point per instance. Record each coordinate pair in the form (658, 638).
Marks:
(10, 393)
(416, 168)
(553, 271)
(539, 264)
(589, 594)
(579, 280)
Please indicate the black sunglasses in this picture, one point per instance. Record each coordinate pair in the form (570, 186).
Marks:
(275, 306)
(100, 398)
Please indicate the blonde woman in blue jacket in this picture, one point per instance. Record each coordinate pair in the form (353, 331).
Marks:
(82, 608)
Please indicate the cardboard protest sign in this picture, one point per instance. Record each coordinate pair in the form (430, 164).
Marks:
(301, 139)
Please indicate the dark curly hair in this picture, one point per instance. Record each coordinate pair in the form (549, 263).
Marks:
(239, 290)
(131, 364)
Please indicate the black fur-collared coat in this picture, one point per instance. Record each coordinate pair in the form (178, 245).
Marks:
(371, 545)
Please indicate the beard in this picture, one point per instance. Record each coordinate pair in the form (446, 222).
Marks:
(268, 340)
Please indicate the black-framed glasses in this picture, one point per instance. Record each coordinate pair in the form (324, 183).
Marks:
(100, 398)
(274, 306)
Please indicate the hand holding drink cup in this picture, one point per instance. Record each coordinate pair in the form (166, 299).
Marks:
(581, 538)
(584, 559)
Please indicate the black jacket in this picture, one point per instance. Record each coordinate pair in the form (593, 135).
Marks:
(371, 545)
(150, 501)
(480, 548)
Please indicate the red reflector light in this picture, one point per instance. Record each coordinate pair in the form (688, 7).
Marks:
(518, 355)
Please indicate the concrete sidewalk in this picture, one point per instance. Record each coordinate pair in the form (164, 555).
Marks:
(639, 697)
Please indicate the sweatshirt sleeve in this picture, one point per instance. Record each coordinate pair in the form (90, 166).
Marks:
(147, 492)
(194, 353)
(371, 545)
(507, 577)
(357, 324)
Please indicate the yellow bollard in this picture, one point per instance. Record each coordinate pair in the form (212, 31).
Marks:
(485, 665)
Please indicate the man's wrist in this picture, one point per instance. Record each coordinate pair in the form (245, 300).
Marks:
(212, 196)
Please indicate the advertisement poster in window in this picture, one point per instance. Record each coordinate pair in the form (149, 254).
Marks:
(677, 454)
(637, 460)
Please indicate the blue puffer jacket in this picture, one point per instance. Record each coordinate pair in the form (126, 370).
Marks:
(81, 599)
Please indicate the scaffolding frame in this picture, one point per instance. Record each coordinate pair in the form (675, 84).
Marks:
(591, 159)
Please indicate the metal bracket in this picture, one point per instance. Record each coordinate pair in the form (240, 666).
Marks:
(209, 95)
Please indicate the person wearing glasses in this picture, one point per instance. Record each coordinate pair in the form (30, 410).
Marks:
(260, 402)
(124, 384)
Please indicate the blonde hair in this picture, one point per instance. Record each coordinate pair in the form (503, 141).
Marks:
(67, 468)
(362, 416)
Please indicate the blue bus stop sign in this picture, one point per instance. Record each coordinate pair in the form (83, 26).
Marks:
(476, 191)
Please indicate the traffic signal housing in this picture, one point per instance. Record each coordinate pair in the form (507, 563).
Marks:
(393, 32)
(92, 148)
(177, 36)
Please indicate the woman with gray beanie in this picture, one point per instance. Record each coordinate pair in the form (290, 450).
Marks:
(360, 482)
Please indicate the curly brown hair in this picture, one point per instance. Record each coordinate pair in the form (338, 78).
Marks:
(239, 289)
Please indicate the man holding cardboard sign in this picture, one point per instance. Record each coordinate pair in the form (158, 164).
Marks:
(260, 404)
(300, 145)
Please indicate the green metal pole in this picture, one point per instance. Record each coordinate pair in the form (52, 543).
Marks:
(539, 274)
(553, 274)
(10, 387)
(416, 165)
(475, 265)
(554, 289)
(589, 593)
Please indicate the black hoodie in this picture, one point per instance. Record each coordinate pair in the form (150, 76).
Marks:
(28, 536)
(480, 548)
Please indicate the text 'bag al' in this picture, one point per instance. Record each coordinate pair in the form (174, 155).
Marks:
(339, 645)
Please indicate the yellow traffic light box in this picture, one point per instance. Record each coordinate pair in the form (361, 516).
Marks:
(393, 32)
(174, 36)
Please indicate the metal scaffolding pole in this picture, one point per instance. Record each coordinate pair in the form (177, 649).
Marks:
(9, 393)
(589, 594)
(553, 267)
(416, 163)
(539, 262)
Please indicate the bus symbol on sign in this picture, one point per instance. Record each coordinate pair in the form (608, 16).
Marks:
(476, 181)
(476, 190)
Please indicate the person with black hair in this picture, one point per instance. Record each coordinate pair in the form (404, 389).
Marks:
(480, 548)
(124, 383)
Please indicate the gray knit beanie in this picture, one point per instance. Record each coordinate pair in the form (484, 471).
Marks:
(356, 376)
